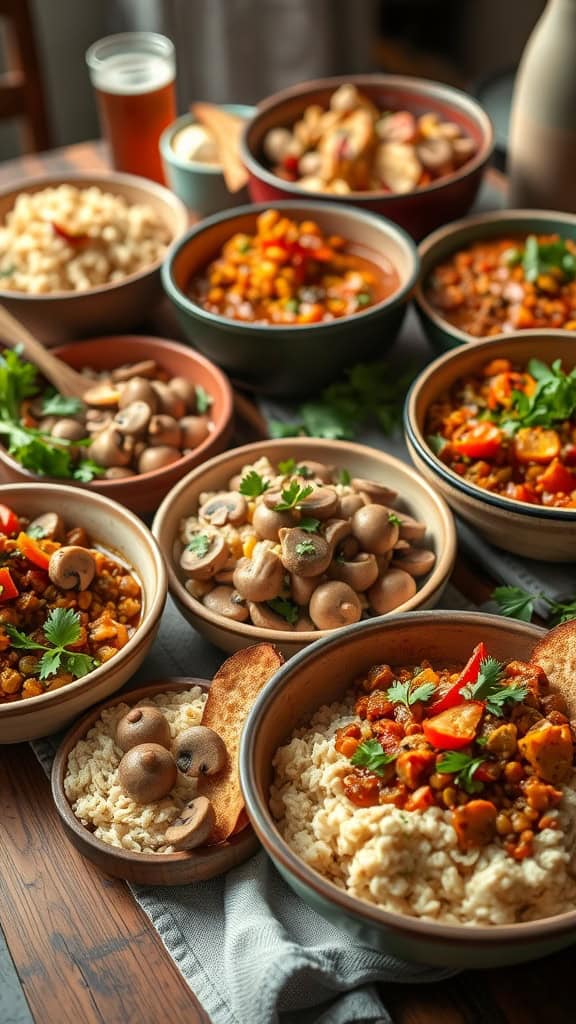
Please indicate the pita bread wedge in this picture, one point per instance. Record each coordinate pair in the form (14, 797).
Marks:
(556, 654)
(232, 693)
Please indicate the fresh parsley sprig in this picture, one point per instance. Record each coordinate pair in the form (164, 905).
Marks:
(62, 629)
(305, 547)
(487, 688)
(309, 524)
(463, 767)
(292, 496)
(285, 608)
(516, 603)
(253, 485)
(370, 755)
(552, 401)
(400, 693)
(203, 399)
(199, 544)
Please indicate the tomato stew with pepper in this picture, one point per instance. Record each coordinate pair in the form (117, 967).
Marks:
(511, 430)
(66, 606)
(507, 284)
(490, 743)
(289, 273)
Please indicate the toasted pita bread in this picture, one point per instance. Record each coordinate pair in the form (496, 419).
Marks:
(226, 129)
(232, 693)
(556, 654)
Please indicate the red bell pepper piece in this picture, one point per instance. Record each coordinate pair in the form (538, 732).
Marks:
(469, 674)
(66, 235)
(9, 522)
(557, 479)
(482, 441)
(30, 549)
(454, 728)
(8, 588)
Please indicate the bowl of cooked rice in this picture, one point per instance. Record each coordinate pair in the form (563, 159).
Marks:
(80, 254)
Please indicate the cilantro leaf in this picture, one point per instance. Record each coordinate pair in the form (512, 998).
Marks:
(19, 640)
(49, 663)
(400, 693)
(58, 405)
(62, 627)
(344, 477)
(87, 470)
(199, 544)
(514, 602)
(495, 701)
(488, 681)
(309, 524)
(253, 485)
(79, 664)
(370, 755)
(394, 520)
(463, 767)
(292, 495)
(287, 466)
(203, 399)
(436, 442)
(305, 547)
(278, 429)
(287, 609)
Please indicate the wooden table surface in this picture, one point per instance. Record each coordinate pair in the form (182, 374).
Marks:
(78, 947)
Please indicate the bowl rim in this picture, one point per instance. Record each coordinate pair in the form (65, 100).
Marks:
(176, 684)
(154, 603)
(428, 245)
(410, 83)
(415, 436)
(257, 634)
(384, 226)
(198, 166)
(104, 180)
(153, 475)
(278, 848)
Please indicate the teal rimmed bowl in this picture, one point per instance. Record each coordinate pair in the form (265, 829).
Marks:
(445, 241)
(292, 360)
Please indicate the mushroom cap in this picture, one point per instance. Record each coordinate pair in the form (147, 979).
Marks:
(376, 494)
(202, 566)
(195, 429)
(302, 588)
(68, 429)
(193, 826)
(349, 504)
(224, 507)
(157, 457)
(334, 604)
(263, 617)
(373, 530)
(336, 530)
(138, 389)
(50, 525)
(268, 523)
(227, 602)
(72, 566)
(417, 561)
(133, 419)
(107, 448)
(118, 472)
(199, 751)
(391, 590)
(168, 401)
(143, 724)
(261, 577)
(185, 389)
(322, 503)
(359, 573)
(304, 554)
(147, 772)
(145, 368)
(315, 470)
(411, 529)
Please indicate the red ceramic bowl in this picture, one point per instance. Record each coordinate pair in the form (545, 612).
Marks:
(420, 211)
(144, 492)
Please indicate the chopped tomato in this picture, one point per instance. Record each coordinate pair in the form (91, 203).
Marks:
(455, 727)
(569, 455)
(497, 366)
(31, 550)
(469, 674)
(522, 492)
(420, 800)
(482, 441)
(8, 588)
(67, 235)
(534, 444)
(556, 478)
(9, 522)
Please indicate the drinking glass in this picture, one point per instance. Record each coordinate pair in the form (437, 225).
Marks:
(133, 76)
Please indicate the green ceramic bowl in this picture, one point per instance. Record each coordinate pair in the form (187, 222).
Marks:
(279, 360)
(199, 185)
(321, 673)
(461, 233)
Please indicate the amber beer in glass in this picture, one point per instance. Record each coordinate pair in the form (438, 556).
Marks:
(133, 76)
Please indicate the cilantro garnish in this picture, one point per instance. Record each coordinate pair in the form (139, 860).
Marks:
(309, 524)
(199, 544)
(252, 485)
(370, 755)
(519, 604)
(553, 399)
(344, 477)
(363, 299)
(285, 608)
(541, 258)
(59, 405)
(287, 466)
(203, 399)
(61, 629)
(305, 547)
(394, 520)
(464, 767)
(436, 442)
(292, 495)
(487, 687)
(86, 470)
(400, 693)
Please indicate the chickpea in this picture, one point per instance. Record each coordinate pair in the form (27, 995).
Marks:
(513, 772)
(520, 822)
(449, 797)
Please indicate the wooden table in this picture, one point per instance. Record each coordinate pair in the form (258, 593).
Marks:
(81, 948)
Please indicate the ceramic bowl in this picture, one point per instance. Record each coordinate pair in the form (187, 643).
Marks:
(528, 530)
(440, 245)
(419, 211)
(278, 359)
(321, 674)
(120, 306)
(418, 499)
(199, 185)
(144, 492)
(143, 868)
(118, 530)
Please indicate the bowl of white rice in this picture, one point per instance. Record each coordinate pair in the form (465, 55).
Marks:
(80, 253)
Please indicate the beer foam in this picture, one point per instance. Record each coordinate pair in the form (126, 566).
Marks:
(130, 74)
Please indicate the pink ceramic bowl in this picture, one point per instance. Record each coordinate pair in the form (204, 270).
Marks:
(419, 211)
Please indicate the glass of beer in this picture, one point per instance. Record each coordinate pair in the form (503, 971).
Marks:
(133, 76)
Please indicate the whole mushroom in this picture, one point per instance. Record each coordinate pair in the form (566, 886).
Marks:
(138, 389)
(133, 419)
(185, 390)
(147, 772)
(158, 458)
(193, 826)
(416, 561)
(71, 566)
(204, 555)
(145, 724)
(373, 493)
(391, 590)
(195, 429)
(262, 615)
(359, 573)
(268, 523)
(107, 448)
(164, 430)
(322, 503)
(334, 604)
(50, 525)
(304, 554)
(261, 577)
(227, 602)
(199, 751)
(375, 529)
(169, 402)
(68, 430)
(225, 507)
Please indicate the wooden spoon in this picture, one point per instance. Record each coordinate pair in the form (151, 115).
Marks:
(66, 380)
(226, 129)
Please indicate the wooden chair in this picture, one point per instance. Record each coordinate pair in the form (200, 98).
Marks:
(21, 90)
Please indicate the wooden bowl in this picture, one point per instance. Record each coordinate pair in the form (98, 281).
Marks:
(118, 530)
(144, 492)
(143, 868)
(529, 530)
(418, 498)
(449, 238)
(119, 306)
(321, 674)
(418, 212)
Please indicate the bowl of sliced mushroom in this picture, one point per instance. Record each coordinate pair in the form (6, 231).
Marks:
(285, 541)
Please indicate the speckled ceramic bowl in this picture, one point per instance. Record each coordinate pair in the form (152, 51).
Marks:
(532, 531)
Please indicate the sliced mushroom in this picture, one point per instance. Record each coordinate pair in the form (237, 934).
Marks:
(199, 751)
(322, 503)
(304, 554)
(417, 561)
(411, 529)
(263, 616)
(315, 470)
(435, 155)
(107, 448)
(144, 724)
(349, 504)
(202, 560)
(71, 566)
(118, 473)
(359, 573)
(225, 575)
(391, 590)
(225, 507)
(462, 150)
(268, 523)
(194, 825)
(97, 420)
(147, 772)
(227, 602)
(195, 429)
(348, 549)
(185, 389)
(146, 368)
(103, 393)
(334, 604)
(168, 401)
(336, 530)
(302, 588)
(261, 577)
(133, 419)
(68, 430)
(377, 494)
(164, 430)
(373, 529)
(49, 526)
(157, 458)
(138, 390)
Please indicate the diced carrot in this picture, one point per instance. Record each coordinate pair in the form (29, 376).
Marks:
(557, 478)
(535, 444)
(30, 549)
(481, 441)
